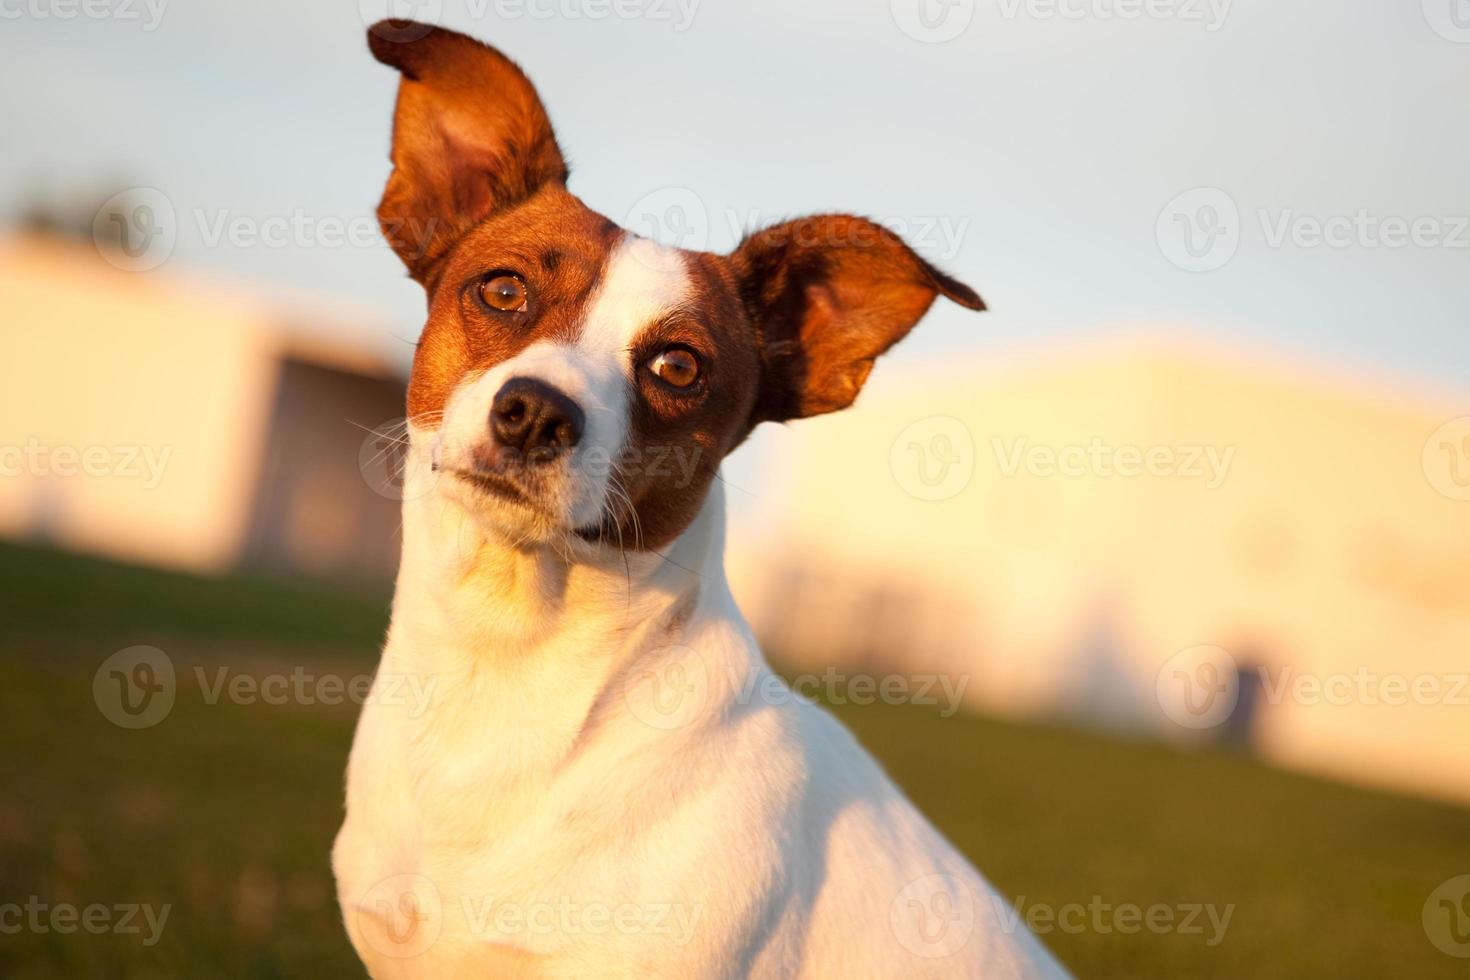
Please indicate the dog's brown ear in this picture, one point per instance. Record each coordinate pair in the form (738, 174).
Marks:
(470, 137)
(827, 295)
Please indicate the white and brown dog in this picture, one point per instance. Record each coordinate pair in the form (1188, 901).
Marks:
(592, 791)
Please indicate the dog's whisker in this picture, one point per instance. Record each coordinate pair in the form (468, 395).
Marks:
(714, 471)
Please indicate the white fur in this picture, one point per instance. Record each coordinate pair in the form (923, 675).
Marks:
(608, 781)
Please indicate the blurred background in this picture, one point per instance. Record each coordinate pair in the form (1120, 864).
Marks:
(1151, 585)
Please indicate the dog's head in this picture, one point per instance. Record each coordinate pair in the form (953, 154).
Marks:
(577, 381)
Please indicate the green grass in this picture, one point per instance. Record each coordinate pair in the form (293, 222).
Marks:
(226, 812)
(52, 595)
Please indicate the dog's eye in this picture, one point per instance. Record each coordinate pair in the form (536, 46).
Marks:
(504, 291)
(675, 366)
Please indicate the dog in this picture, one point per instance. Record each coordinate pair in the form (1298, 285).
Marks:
(607, 780)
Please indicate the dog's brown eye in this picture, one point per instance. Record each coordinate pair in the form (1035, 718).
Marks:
(505, 292)
(676, 366)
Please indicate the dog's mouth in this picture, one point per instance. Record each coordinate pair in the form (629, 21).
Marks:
(508, 489)
(605, 531)
(497, 485)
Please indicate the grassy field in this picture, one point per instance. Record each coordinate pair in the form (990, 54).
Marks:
(225, 812)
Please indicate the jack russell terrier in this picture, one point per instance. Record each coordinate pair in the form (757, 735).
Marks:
(590, 790)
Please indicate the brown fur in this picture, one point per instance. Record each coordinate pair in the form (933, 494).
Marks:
(827, 295)
(461, 337)
(677, 439)
(469, 137)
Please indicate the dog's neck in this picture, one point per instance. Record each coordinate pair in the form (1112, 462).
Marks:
(470, 589)
(525, 639)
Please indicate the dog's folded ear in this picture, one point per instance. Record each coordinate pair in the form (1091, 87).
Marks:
(470, 137)
(827, 295)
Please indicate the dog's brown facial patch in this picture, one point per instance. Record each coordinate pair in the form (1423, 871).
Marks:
(677, 434)
(464, 336)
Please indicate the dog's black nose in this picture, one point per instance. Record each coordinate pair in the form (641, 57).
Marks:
(534, 418)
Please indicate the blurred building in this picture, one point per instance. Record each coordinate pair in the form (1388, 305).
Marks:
(1150, 537)
(175, 422)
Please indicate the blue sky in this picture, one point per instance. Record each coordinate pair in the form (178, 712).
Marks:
(1031, 155)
